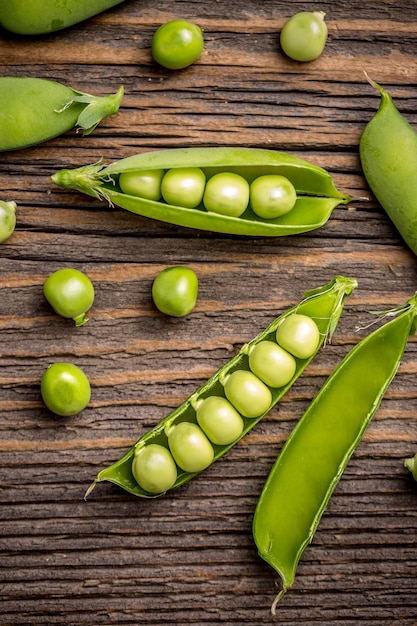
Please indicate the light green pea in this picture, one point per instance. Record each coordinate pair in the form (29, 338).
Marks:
(304, 35)
(249, 395)
(272, 196)
(190, 447)
(154, 468)
(226, 193)
(271, 363)
(219, 420)
(299, 335)
(183, 186)
(143, 184)
(7, 219)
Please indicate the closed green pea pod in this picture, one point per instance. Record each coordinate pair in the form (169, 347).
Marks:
(411, 464)
(34, 110)
(388, 153)
(37, 17)
(324, 305)
(317, 195)
(315, 455)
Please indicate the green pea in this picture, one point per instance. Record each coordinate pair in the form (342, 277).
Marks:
(299, 335)
(272, 196)
(144, 184)
(154, 468)
(271, 363)
(411, 464)
(65, 389)
(70, 293)
(177, 44)
(304, 35)
(175, 291)
(190, 447)
(183, 186)
(219, 420)
(226, 193)
(7, 219)
(249, 395)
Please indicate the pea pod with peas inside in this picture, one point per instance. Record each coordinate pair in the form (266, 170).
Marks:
(37, 17)
(317, 452)
(233, 400)
(34, 110)
(213, 207)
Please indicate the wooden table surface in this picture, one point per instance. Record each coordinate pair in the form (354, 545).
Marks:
(189, 557)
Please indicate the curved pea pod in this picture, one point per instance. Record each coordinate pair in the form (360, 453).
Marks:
(324, 305)
(34, 110)
(388, 154)
(317, 195)
(37, 17)
(318, 450)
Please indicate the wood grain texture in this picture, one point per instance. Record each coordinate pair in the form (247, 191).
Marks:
(189, 558)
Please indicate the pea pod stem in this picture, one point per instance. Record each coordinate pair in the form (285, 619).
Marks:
(317, 195)
(324, 305)
(318, 450)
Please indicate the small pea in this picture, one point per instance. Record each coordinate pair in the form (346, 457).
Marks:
(175, 291)
(249, 395)
(219, 420)
(65, 389)
(226, 193)
(190, 447)
(299, 335)
(143, 184)
(272, 196)
(411, 464)
(154, 468)
(70, 293)
(303, 37)
(271, 363)
(183, 186)
(7, 219)
(177, 44)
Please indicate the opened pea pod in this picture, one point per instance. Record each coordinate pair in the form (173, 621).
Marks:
(318, 450)
(233, 400)
(239, 191)
(34, 110)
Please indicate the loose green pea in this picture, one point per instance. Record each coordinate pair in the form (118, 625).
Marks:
(304, 35)
(154, 468)
(7, 219)
(299, 335)
(190, 447)
(183, 186)
(175, 291)
(271, 363)
(177, 44)
(144, 184)
(219, 420)
(226, 193)
(272, 196)
(411, 464)
(65, 389)
(70, 293)
(249, 395)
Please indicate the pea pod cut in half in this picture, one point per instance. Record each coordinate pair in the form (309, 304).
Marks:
(37, 17)
(317, 195)
(324, 305)
(317, 452)
(388, 153)
(34, 110)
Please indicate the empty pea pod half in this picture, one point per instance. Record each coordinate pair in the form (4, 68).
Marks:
(34, 110)
(317, 452)
(211, 421)
(210, 189)
(37, 17)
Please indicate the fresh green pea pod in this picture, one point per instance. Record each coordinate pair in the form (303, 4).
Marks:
(37, 17)
(324, 305)
(315, 455)
(388, 153)
(33, 110)
(316, 194)
(411, 464)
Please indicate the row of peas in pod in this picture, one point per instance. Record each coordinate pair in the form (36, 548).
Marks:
(226, 193)
(219, 418)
